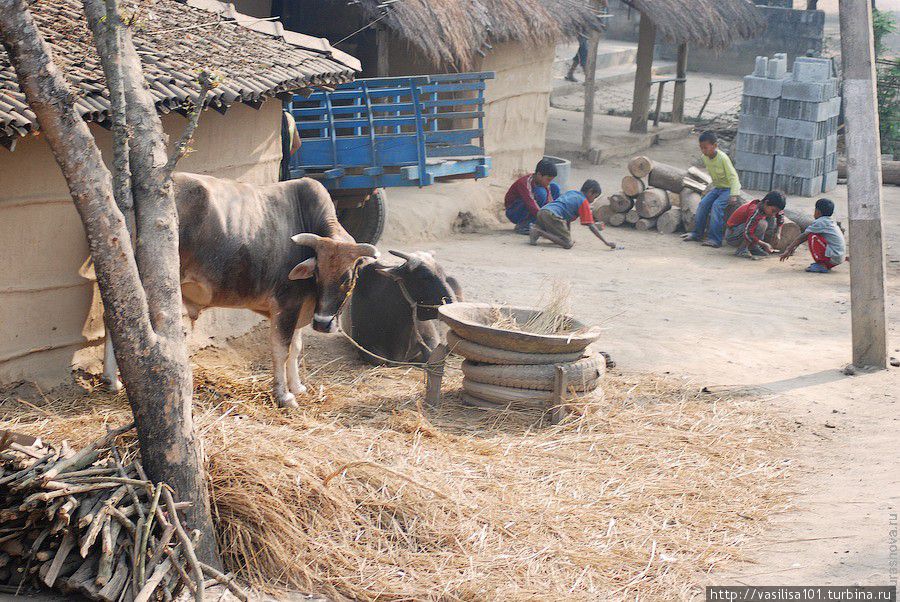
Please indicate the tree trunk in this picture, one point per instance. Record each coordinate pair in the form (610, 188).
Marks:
(602, 213)
(640, 166)
(632, 186)
(645, 224)
(789, 233)
(640, 104)
(621, 203)
(667, 177)
(632, 216)
(690, 200)
(803, 220)
(890, 171)
(695, 173)
(695, 185)
(617, 219)
(670, 221)
(651, 203)
(674, 199)
(143, 306)
(681, 74)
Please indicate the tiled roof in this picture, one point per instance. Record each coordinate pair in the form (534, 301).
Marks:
(254, 58)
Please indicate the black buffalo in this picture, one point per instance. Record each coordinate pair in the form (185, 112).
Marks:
(393, 309)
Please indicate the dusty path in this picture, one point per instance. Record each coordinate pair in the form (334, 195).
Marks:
(677, 307)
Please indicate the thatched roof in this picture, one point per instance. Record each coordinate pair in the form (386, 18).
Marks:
(452, 32)
(704, 23)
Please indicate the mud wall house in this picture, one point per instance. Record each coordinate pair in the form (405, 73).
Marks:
(516, 39)
(50, 309)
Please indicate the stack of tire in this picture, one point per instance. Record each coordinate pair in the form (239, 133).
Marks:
(514, 369)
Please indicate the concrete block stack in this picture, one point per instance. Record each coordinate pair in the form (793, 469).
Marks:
(787, 134)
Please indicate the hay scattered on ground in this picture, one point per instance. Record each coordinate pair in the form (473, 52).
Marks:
(362, 497)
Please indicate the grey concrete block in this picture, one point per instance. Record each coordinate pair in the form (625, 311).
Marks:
(808, 111)
(751, 124)
(761, 107)
(763, 86)
(803, 168)
(807, 91)
(776, 68)
(753, 180)
(834, 107)
(811, 70)
(799, 148)
(796, 185)
(781, 55)
(753, 162)
(831, 144)
(831, 161)
(760, 69)
(805, 130)
(760, 144)
(829, 181)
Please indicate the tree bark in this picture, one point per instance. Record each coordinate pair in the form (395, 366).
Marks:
(695, 173)
(667, 177)
(695, 185)
(617, 219)
(640, 166)
(651, 203)
(670, 221)
(645, 224)
(632, 216)
(640, 104)
(803, 220)
(632, 186)
(890, 171)
(621, 203)
(680, 86)
(150, 350)
(690, 200)
(789, 233)
(602, 213)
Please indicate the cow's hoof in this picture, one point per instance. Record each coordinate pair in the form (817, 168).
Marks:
(288, 401)
(299, 389)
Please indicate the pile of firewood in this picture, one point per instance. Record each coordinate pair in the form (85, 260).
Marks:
(656, 196)
(84, 523)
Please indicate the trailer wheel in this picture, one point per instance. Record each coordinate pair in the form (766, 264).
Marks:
(366, 223)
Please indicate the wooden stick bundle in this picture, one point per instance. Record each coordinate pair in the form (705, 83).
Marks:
(84, 524)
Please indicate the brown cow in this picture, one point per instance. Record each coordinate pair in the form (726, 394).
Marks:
(236, 251)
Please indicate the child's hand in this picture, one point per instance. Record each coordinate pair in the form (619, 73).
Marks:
(785, 255)
(611, 245)
(766, 246)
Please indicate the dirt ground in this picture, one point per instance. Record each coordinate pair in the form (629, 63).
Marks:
(675, 307)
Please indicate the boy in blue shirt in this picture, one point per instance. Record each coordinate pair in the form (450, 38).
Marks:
(824, 239)
(554, 219)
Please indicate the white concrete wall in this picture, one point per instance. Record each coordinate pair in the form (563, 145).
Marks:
(50, 309)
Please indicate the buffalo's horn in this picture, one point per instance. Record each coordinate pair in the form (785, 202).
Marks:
(367, 250)
(306, 239)
(411, 260)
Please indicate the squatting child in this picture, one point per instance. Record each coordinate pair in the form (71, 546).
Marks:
(553, 221)
(824, 238)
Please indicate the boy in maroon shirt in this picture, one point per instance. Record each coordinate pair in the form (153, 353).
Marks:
(749, 223)
(529, 193)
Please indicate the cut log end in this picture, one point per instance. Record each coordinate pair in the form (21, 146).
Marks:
(640, 166)
(632, 186)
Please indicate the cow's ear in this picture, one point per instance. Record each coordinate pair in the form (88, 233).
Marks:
(303, 270)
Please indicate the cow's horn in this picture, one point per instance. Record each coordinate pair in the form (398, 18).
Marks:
(412, 260)
(306, 239)
(367, 250)
(400, 254)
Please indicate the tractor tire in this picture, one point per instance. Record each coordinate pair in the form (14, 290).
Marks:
(584, 375)
(489, 355)
(366, 223)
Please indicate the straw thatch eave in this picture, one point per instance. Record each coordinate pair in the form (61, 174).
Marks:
(715, 24)
(455, 32)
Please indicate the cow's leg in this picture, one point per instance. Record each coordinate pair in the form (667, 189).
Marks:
(283, 397)
(110, 367)
(293, 365)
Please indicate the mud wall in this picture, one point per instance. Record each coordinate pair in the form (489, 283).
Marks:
(50, 308)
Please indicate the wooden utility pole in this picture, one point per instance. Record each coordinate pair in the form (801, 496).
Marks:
(590, 86)
(867, 263)
(641, 103)
(382, 41)
(680, 83)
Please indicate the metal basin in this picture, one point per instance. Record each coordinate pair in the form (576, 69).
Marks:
(472, 321)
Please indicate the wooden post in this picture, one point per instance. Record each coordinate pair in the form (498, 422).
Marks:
(558, 405)
(641, 103)
(680, 84)
(659, 98)
(867, 264)
(590, 87)
(434, 375)
(382, 41)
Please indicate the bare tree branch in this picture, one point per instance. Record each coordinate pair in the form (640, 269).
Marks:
(207, 83)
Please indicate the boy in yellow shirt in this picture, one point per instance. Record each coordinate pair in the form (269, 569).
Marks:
(726, 186)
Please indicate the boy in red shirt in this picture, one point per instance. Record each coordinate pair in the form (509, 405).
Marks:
(529, 193)
(749, 223)
(553, 220)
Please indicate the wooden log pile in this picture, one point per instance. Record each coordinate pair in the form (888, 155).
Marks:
(656, 196)
(86, 524)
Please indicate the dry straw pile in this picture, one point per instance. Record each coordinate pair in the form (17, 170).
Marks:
(362, 497)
